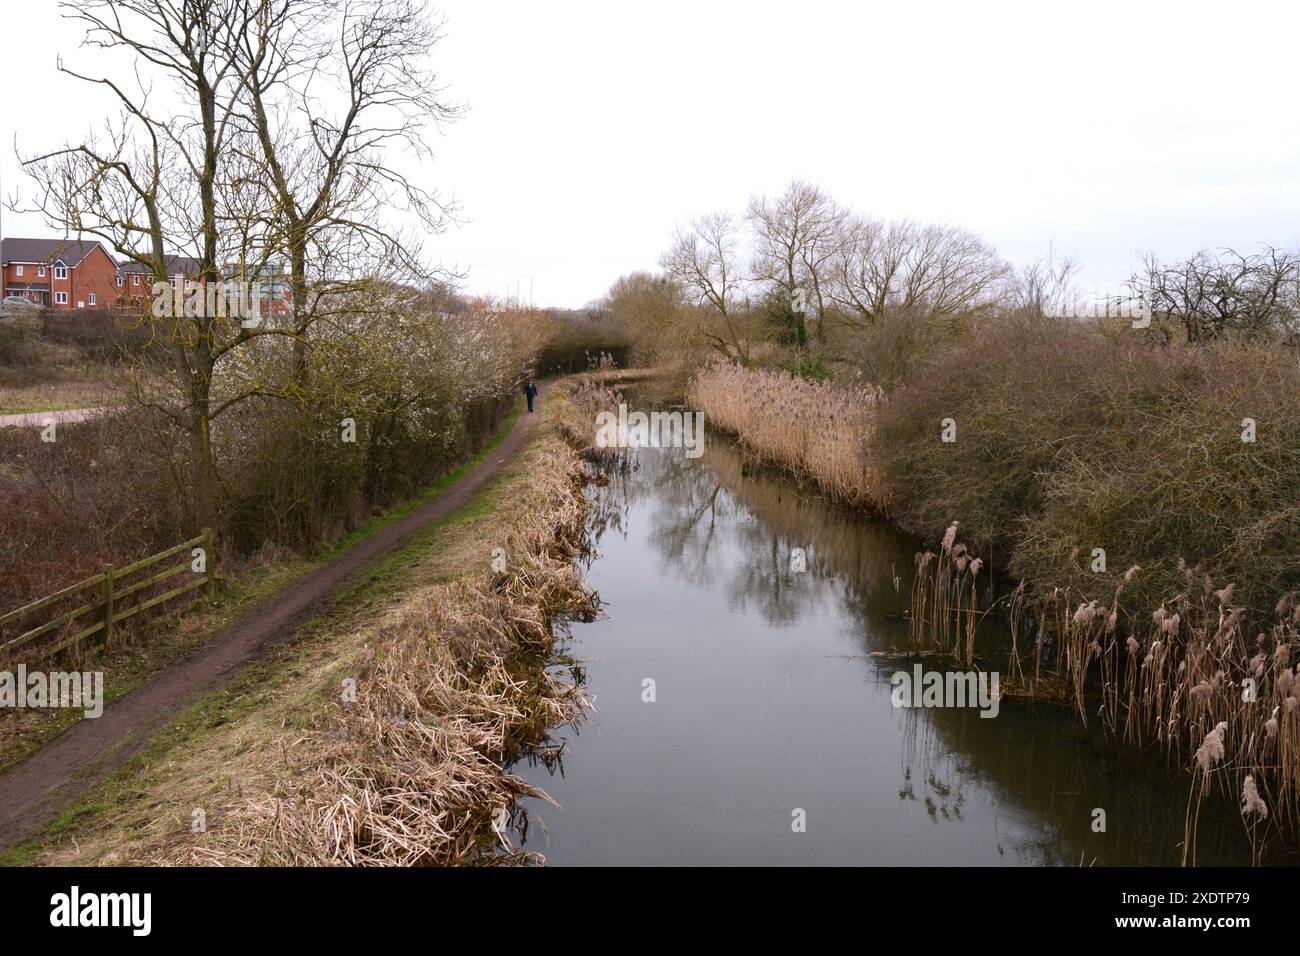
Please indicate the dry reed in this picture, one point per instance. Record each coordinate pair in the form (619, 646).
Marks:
(1197, 678)
(816, 430)
(412, 771)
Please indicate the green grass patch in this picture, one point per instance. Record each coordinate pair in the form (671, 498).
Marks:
(31, 409)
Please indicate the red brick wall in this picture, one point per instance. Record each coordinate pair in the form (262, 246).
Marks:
(96, 274)
(278, 304)
(128, 294)
(60, 285)
(29, 277)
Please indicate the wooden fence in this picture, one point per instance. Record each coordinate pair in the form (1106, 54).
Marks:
(110, 589)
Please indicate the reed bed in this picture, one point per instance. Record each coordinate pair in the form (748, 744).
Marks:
(411, 772)
(1202, 679)
(945, 614)
(1199, 678)
(817, 430)
(585, 395)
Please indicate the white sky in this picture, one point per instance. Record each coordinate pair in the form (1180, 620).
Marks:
(1099, 129)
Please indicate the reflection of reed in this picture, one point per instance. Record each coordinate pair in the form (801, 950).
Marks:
(856, 554)
(1042, 772)
(1042, 766)
(931, 745)
(847, 542)
(607, 506)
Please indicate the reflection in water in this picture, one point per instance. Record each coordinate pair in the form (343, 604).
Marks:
(768, 701)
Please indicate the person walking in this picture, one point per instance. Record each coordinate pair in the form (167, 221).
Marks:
(530, 391)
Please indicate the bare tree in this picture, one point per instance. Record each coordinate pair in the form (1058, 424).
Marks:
(157, 178)
(702, 260)
(935, 272)
(327, 173)
(244, 165)
(1215, 294)
(1044, 287)
(796, 235)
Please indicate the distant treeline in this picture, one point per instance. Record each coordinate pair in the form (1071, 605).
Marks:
(578, 337)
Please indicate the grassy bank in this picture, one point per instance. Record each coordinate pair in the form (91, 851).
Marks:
(153, 643)
(445, 655)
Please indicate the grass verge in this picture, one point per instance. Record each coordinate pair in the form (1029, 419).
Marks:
(444, 654)
(165, 639)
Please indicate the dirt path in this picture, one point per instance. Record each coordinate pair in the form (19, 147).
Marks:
(36, 790)
(62, 417)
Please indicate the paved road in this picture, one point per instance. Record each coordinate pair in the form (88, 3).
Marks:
(40, 419)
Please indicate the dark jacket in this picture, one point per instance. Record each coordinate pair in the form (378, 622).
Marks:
(530, 390)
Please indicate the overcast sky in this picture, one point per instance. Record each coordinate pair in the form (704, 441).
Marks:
(1099, 130)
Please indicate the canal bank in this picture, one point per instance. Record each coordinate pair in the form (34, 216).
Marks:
(743, 712)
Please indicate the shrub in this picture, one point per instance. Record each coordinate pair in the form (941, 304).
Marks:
(1066, 443)
(1175, 480)
(887, 350)
(1003, 389)
(97, 495)
(25, 358)
(574, 338)
(100, 335)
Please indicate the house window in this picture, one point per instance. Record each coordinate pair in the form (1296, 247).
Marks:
(60, 272)
(119, 282)
(61, 298)
(135, 280)
(40, 272)
(91, 298)
(18, 270)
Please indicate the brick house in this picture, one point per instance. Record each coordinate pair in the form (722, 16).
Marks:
(60, 274)
(135, 284)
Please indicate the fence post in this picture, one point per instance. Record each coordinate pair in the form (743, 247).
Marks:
(209, 562)
(108, 606)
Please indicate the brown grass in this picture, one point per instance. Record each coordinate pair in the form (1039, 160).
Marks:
(81, 392)
(412, 771)
(817, 430)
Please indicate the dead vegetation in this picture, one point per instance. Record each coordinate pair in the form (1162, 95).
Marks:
(411, 771)
(1198, 679)
(816, 430)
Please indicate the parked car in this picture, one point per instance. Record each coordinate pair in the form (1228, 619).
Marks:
(12, 305)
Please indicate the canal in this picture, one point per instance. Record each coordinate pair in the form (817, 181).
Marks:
(743, 715)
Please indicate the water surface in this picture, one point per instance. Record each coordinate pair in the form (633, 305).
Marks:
(768, 701)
